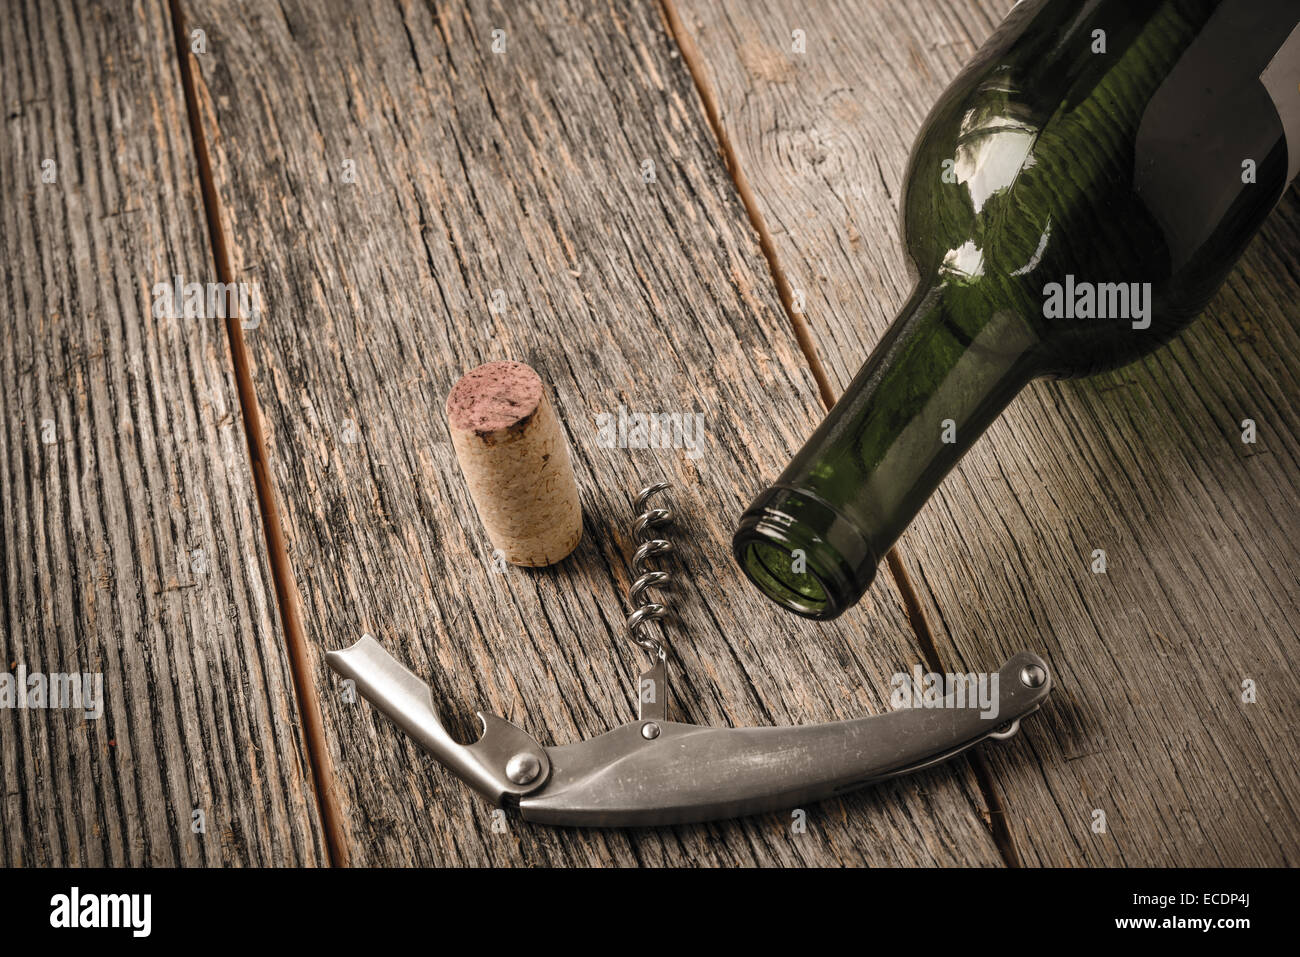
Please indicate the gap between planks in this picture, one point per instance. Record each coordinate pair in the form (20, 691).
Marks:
(286, 589)
(1001, 832)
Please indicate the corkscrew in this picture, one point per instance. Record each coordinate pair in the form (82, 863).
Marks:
(652, 687)
(650, 547)
(656, 771)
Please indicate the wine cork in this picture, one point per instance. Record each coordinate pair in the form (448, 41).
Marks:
(516, 463)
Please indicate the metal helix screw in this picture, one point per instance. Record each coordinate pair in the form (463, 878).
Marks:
(648, 519)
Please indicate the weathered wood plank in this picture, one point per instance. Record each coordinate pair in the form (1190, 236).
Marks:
(522, 171)
(1201, 532)
(129, 534)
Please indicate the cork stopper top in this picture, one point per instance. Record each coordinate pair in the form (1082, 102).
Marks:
(493, 398)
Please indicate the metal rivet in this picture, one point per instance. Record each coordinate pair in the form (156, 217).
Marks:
(649, 730)
(523, 767)
(1032, 676)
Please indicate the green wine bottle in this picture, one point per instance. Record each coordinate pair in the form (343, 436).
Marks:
(1073, 200)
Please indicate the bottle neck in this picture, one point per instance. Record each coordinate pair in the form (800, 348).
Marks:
(944, 370)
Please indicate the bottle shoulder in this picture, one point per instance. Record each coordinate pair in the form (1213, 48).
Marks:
(1050, 169)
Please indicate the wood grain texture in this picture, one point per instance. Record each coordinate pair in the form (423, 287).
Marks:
(1146, 722)
(522, 171)
(129, 535)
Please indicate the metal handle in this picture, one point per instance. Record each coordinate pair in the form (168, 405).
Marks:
(661, 772)
(505, 763)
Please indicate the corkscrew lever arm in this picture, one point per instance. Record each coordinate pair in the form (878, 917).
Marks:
(490, 766)
(651, 771)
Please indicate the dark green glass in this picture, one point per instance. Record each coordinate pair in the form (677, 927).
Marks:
(1073, 200)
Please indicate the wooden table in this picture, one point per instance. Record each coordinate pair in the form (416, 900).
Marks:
(200, 510)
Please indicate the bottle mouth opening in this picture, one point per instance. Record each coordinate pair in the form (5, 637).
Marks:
(804, 594)
(803, 554)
